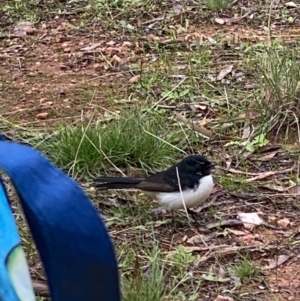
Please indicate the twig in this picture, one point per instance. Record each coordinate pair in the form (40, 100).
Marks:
(228, 222)
(200, 129)
(225, 250)
(263, 175)
(182, 199)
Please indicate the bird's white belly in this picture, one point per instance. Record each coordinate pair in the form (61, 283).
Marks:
(191, 197)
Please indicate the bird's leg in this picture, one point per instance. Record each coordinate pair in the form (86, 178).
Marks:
(173, 219)
(195, 217)
(192, 213)
(174, 223)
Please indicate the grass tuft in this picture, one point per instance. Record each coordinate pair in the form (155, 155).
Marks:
(218, 5)
(279, 104)
(147, 283)
(133, 140)
(246, 270)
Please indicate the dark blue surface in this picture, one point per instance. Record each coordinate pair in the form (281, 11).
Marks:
(72, 240)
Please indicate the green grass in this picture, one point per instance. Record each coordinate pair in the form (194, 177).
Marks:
(246, 270)
(145, 282)
(148, 274)
(279, 81)
(20, 10)
(218, 5)
(133, 139)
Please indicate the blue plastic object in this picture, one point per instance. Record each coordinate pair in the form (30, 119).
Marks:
(71, 238)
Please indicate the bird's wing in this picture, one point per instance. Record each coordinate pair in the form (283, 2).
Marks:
(186, 178)
(158, 182)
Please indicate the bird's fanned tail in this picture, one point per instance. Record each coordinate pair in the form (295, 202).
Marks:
(104, 183)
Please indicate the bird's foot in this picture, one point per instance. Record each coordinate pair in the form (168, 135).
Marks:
(195, 217)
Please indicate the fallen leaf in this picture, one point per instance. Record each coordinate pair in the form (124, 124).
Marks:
(246, 132)
(248, 239)
(250, 220)
(101, 66)
(290, 4)
(215, 278)
(117, 59)
(219, 21)
(271, 218)
(236, 232)
(223, 298)
(212, 77)
(216, 273)
(178, 9)
(24, 28)
(194, 239)
(43, 100)
(126, 25)
(225, 71)
(135, 79)
(199, 239)
(111, 43)
(48, 103)
(211, 40)
(228, 222)
(275, 263)
(295, 190)
(127, 44)
(273, 187)
(203, 122)
(268, 156)
(65, 44)
(90, 47)
(283, 222)
(228, 163)
(198, 107)
(183, 239)
(43, 115)
(249, 86)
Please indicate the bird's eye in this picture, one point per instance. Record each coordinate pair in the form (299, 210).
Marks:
(199, 164)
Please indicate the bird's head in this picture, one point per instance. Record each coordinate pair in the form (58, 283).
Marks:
(196, 164)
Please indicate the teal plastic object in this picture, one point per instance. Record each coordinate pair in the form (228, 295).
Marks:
(15, 282)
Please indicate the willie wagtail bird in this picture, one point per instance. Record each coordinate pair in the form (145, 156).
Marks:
(196, 183)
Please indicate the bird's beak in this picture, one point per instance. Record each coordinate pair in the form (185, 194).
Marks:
(212, 164)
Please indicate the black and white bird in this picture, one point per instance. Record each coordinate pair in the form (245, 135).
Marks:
(193, 188)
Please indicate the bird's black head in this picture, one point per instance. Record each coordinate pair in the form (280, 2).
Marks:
(189, 171)
(196, 164)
